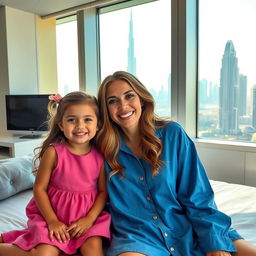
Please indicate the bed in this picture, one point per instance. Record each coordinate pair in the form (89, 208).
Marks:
(238, 201)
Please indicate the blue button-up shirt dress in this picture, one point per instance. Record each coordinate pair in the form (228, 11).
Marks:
(172, 213)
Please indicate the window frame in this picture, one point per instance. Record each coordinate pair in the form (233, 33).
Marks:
(183, 101)
(184, 48)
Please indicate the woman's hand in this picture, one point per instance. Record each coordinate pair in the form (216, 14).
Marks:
(79, 227)
(218, 253)
(59, 230)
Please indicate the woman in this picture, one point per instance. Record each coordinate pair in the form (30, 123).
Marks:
(161, 200)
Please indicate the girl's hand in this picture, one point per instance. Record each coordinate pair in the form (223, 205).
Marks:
(218, 253)
(79, 227)
(59, 230)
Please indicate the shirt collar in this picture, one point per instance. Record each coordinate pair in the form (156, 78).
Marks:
(125, 148)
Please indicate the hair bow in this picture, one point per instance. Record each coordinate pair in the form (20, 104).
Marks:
(57, 97)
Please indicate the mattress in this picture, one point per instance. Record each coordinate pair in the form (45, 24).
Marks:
(238, 201)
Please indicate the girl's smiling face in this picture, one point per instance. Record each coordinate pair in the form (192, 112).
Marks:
(79, 123)
(124, 105)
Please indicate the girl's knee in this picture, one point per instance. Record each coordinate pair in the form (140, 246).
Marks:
(45, 250)
(92, 243)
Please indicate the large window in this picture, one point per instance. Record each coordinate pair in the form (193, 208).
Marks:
(227, 76)
(67, 55)
(138, 40)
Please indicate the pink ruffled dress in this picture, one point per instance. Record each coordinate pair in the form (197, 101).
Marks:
(72, 191)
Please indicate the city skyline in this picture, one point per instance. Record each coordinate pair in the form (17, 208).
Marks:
(152, 46)
(233, 115)
(162, 97)
(150, 54)
(217, 26)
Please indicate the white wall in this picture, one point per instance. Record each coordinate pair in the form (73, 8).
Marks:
(21, 50)
(28, 62)
(47, 55)
(4, 80)
(230, 163)
(18, 56)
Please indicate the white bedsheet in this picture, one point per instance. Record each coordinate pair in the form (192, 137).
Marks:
(12, 211)
(238, 201)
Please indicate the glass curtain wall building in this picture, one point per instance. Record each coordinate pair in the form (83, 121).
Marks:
(227, 76)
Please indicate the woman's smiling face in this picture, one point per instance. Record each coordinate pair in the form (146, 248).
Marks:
(124, 105)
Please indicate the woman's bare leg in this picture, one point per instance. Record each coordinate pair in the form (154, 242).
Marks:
(244, 248)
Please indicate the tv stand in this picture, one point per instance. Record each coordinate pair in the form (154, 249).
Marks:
(16, 147)
(31, 136)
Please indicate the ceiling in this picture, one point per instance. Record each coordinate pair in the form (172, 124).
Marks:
(44, 7)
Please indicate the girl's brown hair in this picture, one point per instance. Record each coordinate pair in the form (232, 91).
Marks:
(56, 111)
(108, 138)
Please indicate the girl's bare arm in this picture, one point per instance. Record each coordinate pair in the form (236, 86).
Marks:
(47, 164)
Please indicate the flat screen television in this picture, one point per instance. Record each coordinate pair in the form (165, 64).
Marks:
(27, 114)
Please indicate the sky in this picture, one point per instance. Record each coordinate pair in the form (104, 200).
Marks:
(220, 21)
(223, 20)
(67, 58)
(152, 35)
(152, 45)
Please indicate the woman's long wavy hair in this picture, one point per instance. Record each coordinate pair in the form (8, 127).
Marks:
(108, 139)
(56, 112)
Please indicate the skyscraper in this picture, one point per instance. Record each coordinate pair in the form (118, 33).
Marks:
(254, 106)
(131, 57)
(242, 95)
(229, 91)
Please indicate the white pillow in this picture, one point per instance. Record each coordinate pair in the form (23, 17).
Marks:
(15, 175)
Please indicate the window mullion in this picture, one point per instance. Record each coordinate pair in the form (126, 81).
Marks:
(184, 63)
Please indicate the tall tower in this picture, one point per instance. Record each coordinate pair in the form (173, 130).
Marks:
(254, 106)
(242, 95)
(131, 68)
(229, 91)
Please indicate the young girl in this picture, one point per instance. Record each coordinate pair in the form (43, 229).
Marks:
(70, 191)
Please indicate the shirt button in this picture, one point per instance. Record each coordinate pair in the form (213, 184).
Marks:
(165, 234)
(172, 249)
(141, 178)
(148, 198)
(154, 217)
